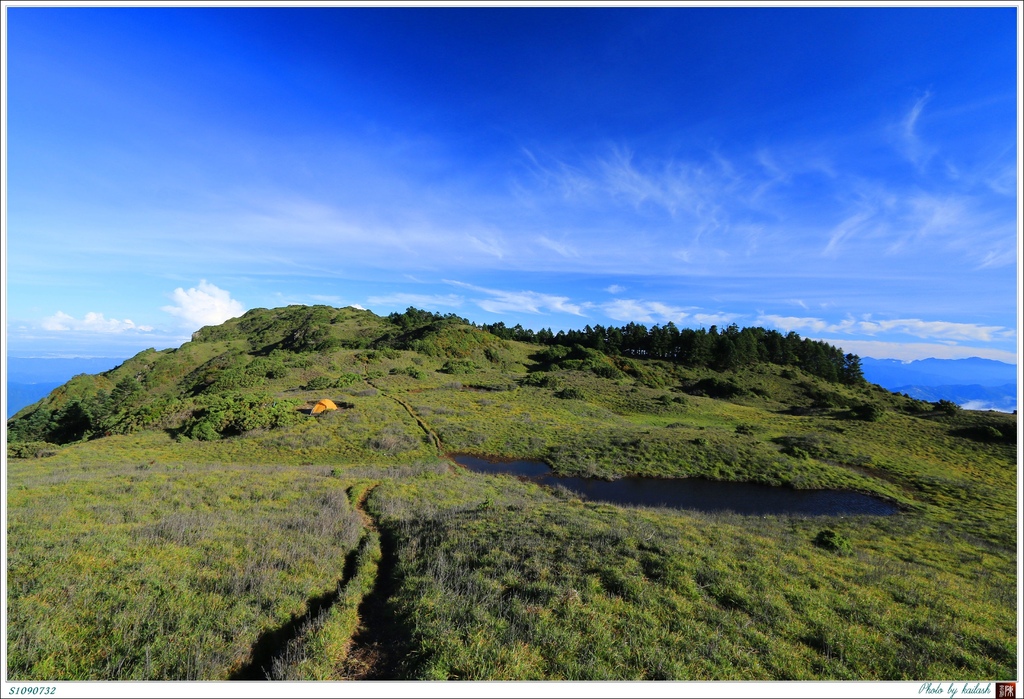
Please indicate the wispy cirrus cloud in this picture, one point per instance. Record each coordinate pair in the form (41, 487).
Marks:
(499, 301)
(938, 330)
(424, 301)
(910, 143)
(1001, 256)
(91, 323)
(717, 213)
(639, 311)
(563, 249)
(683, 189)
(633, 310)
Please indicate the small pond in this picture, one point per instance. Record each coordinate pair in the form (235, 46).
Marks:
(692, 493)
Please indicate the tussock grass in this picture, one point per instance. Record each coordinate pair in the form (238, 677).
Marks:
(501, 580)
(166, 551)
(321, 648)
(166, 572)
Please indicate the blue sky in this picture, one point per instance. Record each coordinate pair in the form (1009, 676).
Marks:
(847, 173)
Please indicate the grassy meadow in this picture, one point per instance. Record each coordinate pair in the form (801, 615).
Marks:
(184, 517)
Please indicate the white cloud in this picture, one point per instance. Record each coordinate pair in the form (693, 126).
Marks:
(909, 351)
(715, 318)
(424, 301)
(928, 329)
(998, 258)
(910, 143)
(929, 216)
(1004, 181)
(91, 323)
(699, 190)
(983, 405)
(637, 311)
(487, 244)
(936, 329)
(520, 301)
(205, 305)
(561, 248)
(851, 225)
(615, 289)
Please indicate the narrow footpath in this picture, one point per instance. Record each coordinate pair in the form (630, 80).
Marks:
(379, 643)
(419, 421)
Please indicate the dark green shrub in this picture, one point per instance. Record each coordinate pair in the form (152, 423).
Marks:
(571, 393)
(204, 431)
(947, 407)
(869, 412)
(458, 366)
(986, 433)
(410, 371)
(831, 541)
(31, 450)
(607, 371)
(551, 355)
(803, 446)
(318, 383)
(713, 387)
(990, 434)
(496, 356)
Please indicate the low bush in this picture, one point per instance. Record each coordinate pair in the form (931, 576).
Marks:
(31, 450)
(867, 412)
(458, 366)
(831, 541)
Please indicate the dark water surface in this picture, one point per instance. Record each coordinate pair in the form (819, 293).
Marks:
(692, 493)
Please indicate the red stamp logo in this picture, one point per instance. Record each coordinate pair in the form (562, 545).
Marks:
(1006, 690)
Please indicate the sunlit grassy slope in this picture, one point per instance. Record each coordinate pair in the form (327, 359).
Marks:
(181, 516)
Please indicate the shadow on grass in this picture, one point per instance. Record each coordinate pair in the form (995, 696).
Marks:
(382, 643)
(273, 643)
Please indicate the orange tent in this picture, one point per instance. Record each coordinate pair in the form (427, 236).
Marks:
(325, 404)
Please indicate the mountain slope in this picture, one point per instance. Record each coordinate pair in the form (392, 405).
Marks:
(214, 528)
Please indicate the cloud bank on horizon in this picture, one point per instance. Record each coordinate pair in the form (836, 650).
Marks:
(846, 173)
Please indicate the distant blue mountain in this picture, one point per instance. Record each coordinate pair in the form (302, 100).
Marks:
(977, 384)
(31, 378)
(891, 373)
(1003, 398)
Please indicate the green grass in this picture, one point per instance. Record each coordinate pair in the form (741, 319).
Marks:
(152, 571)
(153, 553)
(502, 580)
